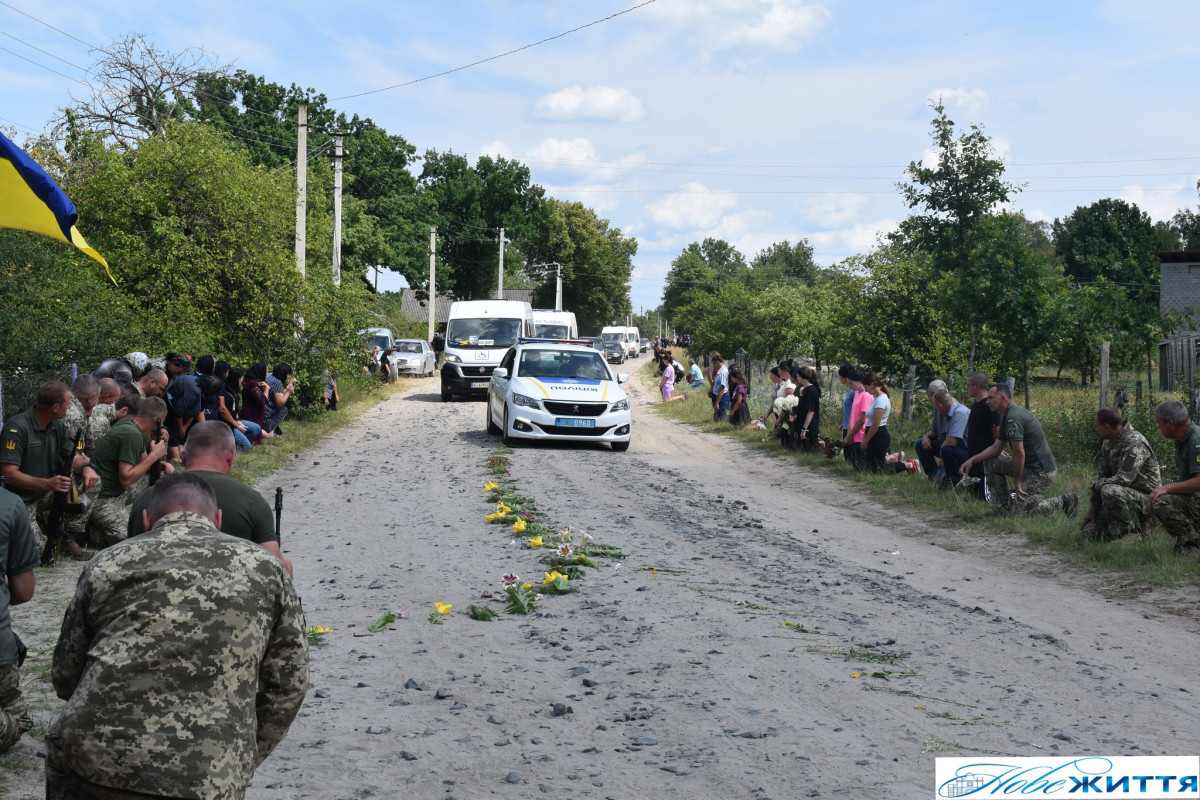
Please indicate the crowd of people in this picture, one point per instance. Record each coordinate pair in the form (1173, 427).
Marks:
(994, 450)
(116, 437)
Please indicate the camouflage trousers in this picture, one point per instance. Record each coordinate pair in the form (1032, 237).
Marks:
(1121, 511)
(109, 521)
(1034, 484)
(39, 516)
(1179, 514)
(78, 523)
(14, 716)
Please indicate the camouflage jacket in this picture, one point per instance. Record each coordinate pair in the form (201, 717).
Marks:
(183, 661)
(1129, 461)
(94, 427)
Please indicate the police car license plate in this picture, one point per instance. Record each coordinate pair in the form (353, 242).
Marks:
(567, 422)
(479, 385)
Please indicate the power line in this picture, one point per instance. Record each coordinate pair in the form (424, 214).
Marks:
(496, 57)
(40, 50)
(47, 24)
(43, 66)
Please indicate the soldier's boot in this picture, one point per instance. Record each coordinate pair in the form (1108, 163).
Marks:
(77, 553)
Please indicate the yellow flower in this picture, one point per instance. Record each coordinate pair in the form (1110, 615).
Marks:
(490, 486)
(321, 629)
(553, 576)
(502, 509)
(442, 608)
(519, 526)
(535, 541)
(527, 586)
(857, 674)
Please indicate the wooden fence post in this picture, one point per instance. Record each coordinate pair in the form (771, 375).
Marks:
(1011, 381)
(950, 382)
(1105, 349)
(910, 384)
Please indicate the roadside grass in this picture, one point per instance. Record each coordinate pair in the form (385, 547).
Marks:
(302, 433)
(1066, 416)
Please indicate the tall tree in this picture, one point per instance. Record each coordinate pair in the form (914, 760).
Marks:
(596, 262)
(952, 199)
(137, 89)
(701, 268)
(1187, 222)
(784, 262)
(470, 205)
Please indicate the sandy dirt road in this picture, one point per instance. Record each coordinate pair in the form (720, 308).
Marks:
(683, 681)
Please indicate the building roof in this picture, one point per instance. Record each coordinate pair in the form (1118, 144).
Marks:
(418, 310)
(1179, 257)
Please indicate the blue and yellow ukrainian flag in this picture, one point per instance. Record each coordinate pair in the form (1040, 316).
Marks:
(31, 201)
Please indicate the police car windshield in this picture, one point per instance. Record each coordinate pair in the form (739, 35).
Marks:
(549, 363)
(483, 332)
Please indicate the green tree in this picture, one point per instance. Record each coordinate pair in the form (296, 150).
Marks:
(1187, 223)
(700, 269)
(784, 262)
(197, 237)
(953, 199)
(470, 205)
(1111, 243)
(596, 262)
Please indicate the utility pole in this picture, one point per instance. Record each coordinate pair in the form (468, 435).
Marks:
(432, 287)
(301, 185)
(558, 288)
(337, 209)
(500, 282)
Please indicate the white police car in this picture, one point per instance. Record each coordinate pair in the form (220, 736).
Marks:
(558, 389)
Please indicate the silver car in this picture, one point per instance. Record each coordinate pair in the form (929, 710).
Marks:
(413, 357)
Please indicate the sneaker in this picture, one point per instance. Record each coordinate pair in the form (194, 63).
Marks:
(965, 484)
(1071, 504)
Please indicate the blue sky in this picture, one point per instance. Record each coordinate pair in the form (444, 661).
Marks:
(750, 120)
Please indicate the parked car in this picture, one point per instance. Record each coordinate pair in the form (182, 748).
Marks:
(643, 345)
(565, 392)
(413, 357)
(614, 352)
(597, 342)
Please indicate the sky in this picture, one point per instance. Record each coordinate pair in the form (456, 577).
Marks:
(754, 121)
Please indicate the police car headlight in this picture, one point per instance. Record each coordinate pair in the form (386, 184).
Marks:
(453, 359)
(620, 405)
(522, 400)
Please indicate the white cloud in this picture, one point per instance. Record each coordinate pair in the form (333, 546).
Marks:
(576, 151)
(782, 25)
(835, 208)
(970, 100)
(1161, 202)
(593, 103)
(695, 206)
(594, 196)
(860, 238)
(497, 149)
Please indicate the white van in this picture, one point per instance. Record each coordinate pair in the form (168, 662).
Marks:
(478, 334)
(633, 342)
(615, 333)
(550, 324)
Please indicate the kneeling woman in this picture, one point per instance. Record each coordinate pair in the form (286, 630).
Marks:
(876, 441)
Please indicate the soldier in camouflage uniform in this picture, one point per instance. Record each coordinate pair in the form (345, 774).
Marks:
(1177, 505)
(18, 555)
(1031, 465)
(1128, 473)
(86, 413)
(123, 457)
(191, 705)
